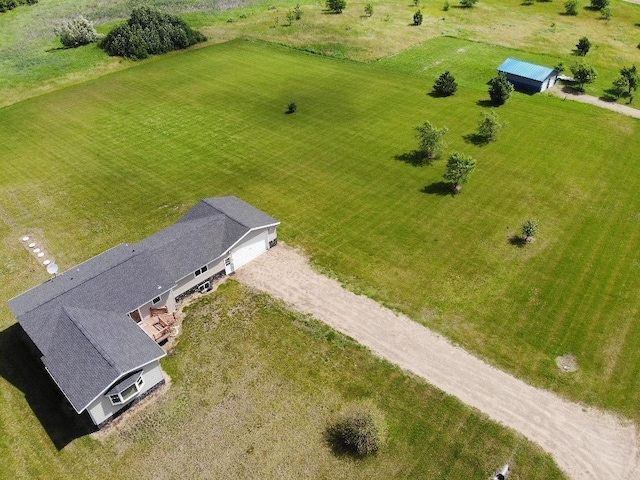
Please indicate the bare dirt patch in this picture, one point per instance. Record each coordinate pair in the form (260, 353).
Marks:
(567, 363)
(586, 443)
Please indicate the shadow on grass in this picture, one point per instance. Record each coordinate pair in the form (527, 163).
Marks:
(57, 49)
(517, 241)
(475, 139)
(485, 103)
(434, 94)
(439, 188)
(414, 158)
(19, 367)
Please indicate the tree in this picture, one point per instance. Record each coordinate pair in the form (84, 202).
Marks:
(459, 167)
(489, 126)
(627, 83)
(500, 89)
(368, 9)
(583, 73)
(292, 108)
(76, 32)
(445, 85)
(468, 3)
(571, 7)
(417, 18)
(336, 6)
(529, 230)
(599, 4)
(621, 86)
(583, 46)
(359, 429)
(297, 12)
(431, 140)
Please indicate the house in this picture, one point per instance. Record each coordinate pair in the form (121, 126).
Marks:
(528, 76)
(96, 327)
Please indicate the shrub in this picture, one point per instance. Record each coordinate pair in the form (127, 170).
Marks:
(6, 5)
(297, 12)
(336, 6)
(583, 46)
(599, 4)
(529, 229)
(445, 85)
(500, 89)
(445, 7)
(583, 73)
(368, 9)
(359, 429)
(149, 32)
(292, 107)
(468, 3)
(571, 7)
(489, 126)
(417, 18)
(76, 32)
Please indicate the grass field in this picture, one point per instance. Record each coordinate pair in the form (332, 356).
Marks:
(32, 62)
(118, 158)
(258, 406)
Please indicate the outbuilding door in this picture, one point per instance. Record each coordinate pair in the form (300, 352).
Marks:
(249, 249)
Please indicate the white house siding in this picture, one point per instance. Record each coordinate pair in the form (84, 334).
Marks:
(273, 234)
(190, 281)
(102, 408)
(253, 245)
(166, 299)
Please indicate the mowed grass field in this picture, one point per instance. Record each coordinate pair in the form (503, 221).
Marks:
(254, 388)
(32, 61)
(116, 159)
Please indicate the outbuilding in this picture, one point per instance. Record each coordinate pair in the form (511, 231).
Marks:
(528, 76)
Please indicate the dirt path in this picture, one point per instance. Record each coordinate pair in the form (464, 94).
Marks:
(584, 98)
(585, 443)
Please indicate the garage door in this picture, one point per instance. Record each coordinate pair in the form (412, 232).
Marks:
(249, 249)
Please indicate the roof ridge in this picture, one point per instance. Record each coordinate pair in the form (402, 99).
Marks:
(87, 335)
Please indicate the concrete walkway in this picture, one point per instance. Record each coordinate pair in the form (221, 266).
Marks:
(586, 444)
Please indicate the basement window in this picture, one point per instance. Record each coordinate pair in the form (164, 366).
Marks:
(201, 270)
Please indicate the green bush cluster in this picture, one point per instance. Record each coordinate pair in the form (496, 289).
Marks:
(149, 32)
(76, 32)
(359, 429)
(6, 5)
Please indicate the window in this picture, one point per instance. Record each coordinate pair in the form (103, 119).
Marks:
(126, 389)
(201, 270)
(156, 300)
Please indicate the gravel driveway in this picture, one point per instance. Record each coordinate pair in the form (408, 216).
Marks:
(586, 443)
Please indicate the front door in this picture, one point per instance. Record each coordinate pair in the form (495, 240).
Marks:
(228, 265)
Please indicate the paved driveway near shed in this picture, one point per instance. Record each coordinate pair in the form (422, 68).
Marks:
(586, 443)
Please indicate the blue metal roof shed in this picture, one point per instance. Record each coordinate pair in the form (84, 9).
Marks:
(528, 76)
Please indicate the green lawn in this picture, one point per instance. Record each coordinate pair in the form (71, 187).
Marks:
(118, 158)
(254, 387)
(32, 61)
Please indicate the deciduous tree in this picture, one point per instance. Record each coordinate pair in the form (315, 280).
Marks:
(430, 138)
(489, 126)
(459, 167)
(583, 74)
(571, 7)
(500, 89)
(417, 18)
(336, 6)
(583, 46)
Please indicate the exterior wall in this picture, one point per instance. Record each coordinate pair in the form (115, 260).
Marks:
(273, 233)
(190, 281)
(522, 83)
(237, 252)
(549, 82)
(165, 299)
(102, 409)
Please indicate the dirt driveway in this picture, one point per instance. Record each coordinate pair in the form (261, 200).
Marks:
(586, 444)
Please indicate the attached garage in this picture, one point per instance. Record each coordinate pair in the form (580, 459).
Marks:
(254, 244)
(528, 76)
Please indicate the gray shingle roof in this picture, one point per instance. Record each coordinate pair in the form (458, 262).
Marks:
(89, 350)
(78, 319)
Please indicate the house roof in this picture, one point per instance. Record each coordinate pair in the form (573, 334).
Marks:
(525, 69)
(78, 319)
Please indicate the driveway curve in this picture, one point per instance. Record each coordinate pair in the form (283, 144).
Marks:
(586, 443)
